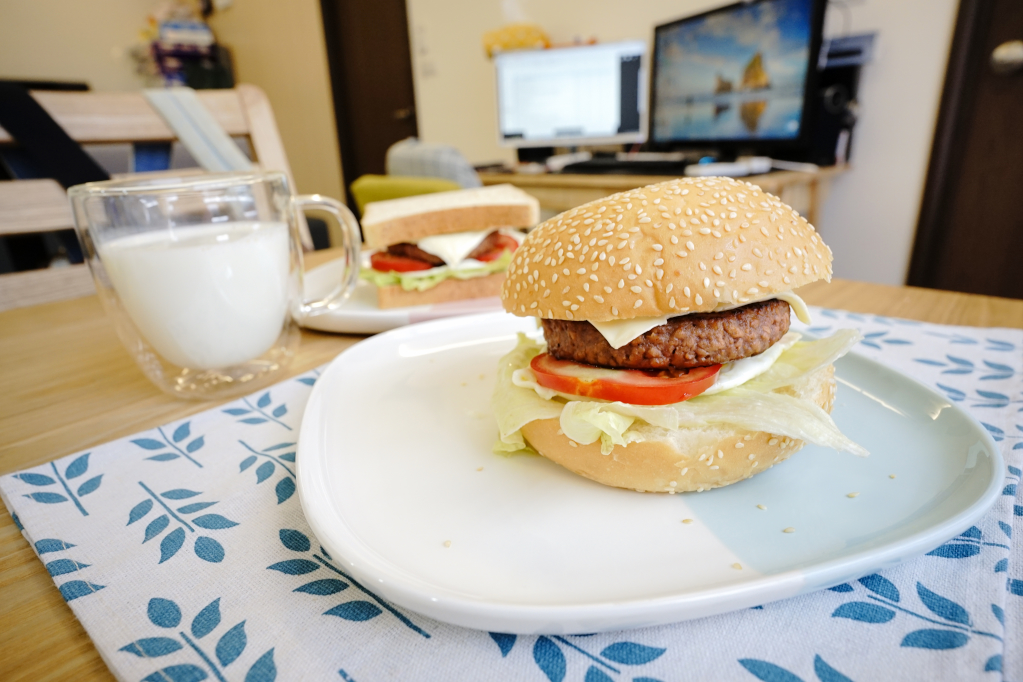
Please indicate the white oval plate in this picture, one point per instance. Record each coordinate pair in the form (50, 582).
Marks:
(395, 461)
(360, 314)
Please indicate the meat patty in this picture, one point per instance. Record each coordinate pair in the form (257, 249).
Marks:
(695, 340)
(406, 250)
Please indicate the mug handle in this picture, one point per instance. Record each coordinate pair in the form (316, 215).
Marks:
(351, 240)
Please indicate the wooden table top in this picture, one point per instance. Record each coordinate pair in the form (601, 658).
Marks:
(67, 385)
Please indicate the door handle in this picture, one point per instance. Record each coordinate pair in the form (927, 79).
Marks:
(1007, 57)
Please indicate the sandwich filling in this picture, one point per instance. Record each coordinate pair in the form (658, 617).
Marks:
(425, 264)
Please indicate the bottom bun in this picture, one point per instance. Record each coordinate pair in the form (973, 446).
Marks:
(393, 296)
(684, 460)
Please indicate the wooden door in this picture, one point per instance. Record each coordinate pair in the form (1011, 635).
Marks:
(970, 234)
(371, 75)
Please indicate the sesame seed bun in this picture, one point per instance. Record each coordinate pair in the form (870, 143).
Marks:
(693, 459)
(677, 247)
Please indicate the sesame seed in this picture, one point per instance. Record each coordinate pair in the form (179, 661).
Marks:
(891, 475)
(790, 529)
(638, 304)
(740, 444)
(717, 270)
(737, 567)
(447, 543)
(751, 457)
(684, 471)
(685, 290)
(704, 230)
(635, 290)
(760, 506)
(852, 494)
(715, 467)
(687, 521)
(699, 300)
(614, 310)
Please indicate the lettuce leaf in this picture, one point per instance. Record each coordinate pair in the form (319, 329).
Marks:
(518, 400)
(421, 280)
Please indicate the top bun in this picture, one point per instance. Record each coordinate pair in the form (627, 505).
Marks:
(684, 246)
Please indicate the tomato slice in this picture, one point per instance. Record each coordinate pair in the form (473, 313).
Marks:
(637, 387)
(498, 243)
(387, 262)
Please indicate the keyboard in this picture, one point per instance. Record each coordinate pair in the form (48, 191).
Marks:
(612, 166)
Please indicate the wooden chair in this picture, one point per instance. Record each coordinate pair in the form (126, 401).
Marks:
(28, 206)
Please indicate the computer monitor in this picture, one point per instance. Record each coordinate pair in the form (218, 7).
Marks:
(738, 77)
(567, 96)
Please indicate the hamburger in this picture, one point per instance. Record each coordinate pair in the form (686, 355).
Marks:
(446, 246)
(669, 365)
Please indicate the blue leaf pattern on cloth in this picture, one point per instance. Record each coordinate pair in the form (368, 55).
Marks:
(354, 610)
(946, 608)
(768, 672)
(152, 647)
(36, 479)
(550, 659)
(999, 613)
(51, 545)
(880, 586)
(825, 673)
(264, 400)
(595, 674)
(139, 510)
(179, 494)
(207, 620)
(209, 549)
(171, 543)
(285, 489)
(213, 522)
(89, 486)
(181, 433)
(156, 526)
(844, 587)
(994, 664)
(148, 443)
(78, 588)
(231, 645)
(264, 471)
(47, 498)
(194, 507)
(294, 566)
(935, 639)
(177, 673)
(956, 550)
(163, 613)
(322, 587)
(195, 444)
(247, 462)
(504, 641)
(165, 457)
(263, 670)
(864, 612)
(294, 540)
(63, 566)
(78, 467)
(630, 653)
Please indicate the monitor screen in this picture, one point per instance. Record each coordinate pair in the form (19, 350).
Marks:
(737, 73)
(572, 95)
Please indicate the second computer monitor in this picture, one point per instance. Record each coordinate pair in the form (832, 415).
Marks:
(591, 94)
(737, 74)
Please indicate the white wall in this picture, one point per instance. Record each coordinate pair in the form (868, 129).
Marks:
(870, 217)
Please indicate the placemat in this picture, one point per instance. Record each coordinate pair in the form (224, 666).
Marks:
(184, 553)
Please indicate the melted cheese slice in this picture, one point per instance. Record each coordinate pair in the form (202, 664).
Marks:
(620, 333)
(455, 248)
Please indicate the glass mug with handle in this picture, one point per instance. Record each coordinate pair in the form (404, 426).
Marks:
(203, 274)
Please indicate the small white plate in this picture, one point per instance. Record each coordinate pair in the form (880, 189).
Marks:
(360, 314)
(395, 461)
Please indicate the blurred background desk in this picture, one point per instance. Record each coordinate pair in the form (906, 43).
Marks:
(559, 192)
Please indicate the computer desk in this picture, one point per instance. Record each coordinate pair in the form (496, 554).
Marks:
(558, 192)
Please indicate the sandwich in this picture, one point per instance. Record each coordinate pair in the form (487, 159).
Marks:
(447, 246)
(668, 363)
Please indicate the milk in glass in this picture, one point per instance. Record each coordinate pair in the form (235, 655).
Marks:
(204, 297)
